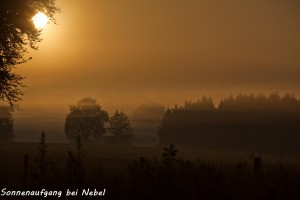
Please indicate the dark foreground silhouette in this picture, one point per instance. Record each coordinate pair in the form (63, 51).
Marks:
(168, 177)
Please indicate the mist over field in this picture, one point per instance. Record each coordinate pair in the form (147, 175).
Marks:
(29, 123)
(145, 118)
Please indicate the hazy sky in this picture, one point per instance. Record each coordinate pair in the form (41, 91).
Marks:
(125, 53)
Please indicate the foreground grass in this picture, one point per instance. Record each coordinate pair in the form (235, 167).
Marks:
(147, 173)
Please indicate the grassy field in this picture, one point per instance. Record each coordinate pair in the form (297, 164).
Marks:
(12, 155)
(13, 151)
(199, 174)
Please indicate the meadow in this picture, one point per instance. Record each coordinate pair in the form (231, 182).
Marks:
(12, 154)
(152, 172)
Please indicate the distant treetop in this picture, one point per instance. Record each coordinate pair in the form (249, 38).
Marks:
(273, 102)
(87, 101)
(242, 102)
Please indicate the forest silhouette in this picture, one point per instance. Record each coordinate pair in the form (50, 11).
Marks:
(243, 122)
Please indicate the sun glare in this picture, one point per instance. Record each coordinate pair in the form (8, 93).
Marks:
(40, 20)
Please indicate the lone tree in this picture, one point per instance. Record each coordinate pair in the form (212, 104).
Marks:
(86, 120)
(17, 34)
(6, 123)
(120, 127)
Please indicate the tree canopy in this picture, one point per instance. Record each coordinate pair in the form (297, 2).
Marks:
(120, 127)
(18, 33)
(86, 119)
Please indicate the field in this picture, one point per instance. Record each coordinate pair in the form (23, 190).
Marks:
(116, 157)
(12, 153)
(122, 170)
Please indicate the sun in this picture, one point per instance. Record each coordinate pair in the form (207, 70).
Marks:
(40, 20)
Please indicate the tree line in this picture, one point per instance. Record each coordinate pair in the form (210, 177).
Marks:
(240, 122)
(243, 102)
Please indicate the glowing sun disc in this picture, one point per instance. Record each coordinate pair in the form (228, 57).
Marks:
(40, 20)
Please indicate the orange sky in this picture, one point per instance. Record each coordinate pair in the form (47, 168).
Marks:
(125, 53)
